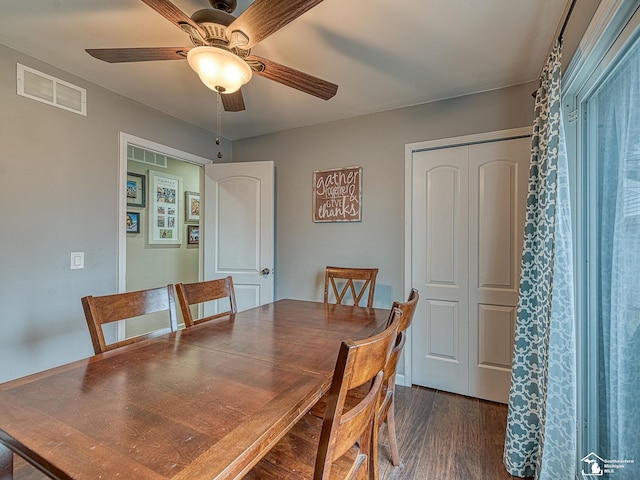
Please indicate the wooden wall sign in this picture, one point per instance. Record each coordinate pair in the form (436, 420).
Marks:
(337, 195)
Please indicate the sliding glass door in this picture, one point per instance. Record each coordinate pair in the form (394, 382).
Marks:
(606, 166)
(614, 121)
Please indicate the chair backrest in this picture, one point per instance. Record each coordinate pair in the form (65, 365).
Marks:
(392, 363)
(121, 306)
(408, 309)
(341, 280)
(358, 363)
(200, 292)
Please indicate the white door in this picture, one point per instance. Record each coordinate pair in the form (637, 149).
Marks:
(498, 176)
(467, 218)
(441, 257)
(239, 235)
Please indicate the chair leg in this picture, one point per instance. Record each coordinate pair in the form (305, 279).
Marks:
(370, 441)
(391, 431)
(6, 463)
(373, 462)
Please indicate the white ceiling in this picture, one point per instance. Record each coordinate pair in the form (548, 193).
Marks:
(382, 54)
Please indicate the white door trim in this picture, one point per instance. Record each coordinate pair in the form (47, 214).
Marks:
(409, 150)
(126, 139)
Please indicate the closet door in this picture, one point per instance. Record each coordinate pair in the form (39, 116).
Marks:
(441, 269)
(498, 174)
(467, 230)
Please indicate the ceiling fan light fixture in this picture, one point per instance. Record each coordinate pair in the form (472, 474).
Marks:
(219, 69)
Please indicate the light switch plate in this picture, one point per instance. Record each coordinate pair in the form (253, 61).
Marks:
(77, 260)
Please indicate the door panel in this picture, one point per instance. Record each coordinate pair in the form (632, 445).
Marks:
(442, 212)
(498, 174)
(440, 240)
(239, 210)
(239, 237)
(495, 330)
(443, 321)
(496, 201)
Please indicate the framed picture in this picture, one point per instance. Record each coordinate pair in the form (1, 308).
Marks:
(164, 209)
(135, 190)
(337, 195)
(193, 234)
(192, 207)
(133, 222)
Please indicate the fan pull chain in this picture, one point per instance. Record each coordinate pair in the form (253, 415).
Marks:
(219, 116)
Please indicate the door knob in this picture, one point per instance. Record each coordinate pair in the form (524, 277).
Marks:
(265, 271)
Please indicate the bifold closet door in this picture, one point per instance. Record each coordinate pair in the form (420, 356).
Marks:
(467, 218)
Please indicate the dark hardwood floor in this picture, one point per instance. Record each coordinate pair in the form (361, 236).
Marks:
(441, 436)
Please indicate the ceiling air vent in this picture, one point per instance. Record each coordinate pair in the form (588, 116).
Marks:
(47, 89)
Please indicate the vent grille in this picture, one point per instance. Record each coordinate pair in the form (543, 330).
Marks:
(143, 155)
(36, 86)
(50, 90)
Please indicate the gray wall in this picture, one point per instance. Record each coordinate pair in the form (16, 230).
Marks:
(59, 195)
(377, 143)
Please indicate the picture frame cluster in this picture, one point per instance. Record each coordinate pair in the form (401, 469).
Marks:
(163, 209)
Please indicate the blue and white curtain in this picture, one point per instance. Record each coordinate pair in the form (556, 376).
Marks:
(541, 423)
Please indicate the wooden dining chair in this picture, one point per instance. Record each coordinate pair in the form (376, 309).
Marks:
(340, 445)
(201, 292)
(386, 411)
(122, 306)
(339, 281)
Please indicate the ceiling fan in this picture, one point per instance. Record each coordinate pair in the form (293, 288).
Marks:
(222, 47)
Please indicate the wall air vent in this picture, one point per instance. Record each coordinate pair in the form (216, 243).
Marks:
(47, 89)
(142, 155)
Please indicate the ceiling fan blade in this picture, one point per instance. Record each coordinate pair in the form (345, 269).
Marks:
(293, 78)
(172, 13)
(233, 102)
(119, 55)
(264, 17)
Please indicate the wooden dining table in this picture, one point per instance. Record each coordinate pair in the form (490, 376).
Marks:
(204, 402)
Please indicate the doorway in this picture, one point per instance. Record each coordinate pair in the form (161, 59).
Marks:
(158, 242)
(465, 210)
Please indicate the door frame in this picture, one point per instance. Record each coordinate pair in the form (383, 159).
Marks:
(409, 149)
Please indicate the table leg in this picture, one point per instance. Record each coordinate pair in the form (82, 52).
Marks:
(6, 463)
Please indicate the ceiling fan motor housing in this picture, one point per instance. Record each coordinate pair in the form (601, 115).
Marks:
(210, 15)
(214, 23)
(225, 5)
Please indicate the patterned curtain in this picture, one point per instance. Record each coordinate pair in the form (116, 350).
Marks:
(541, 423)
